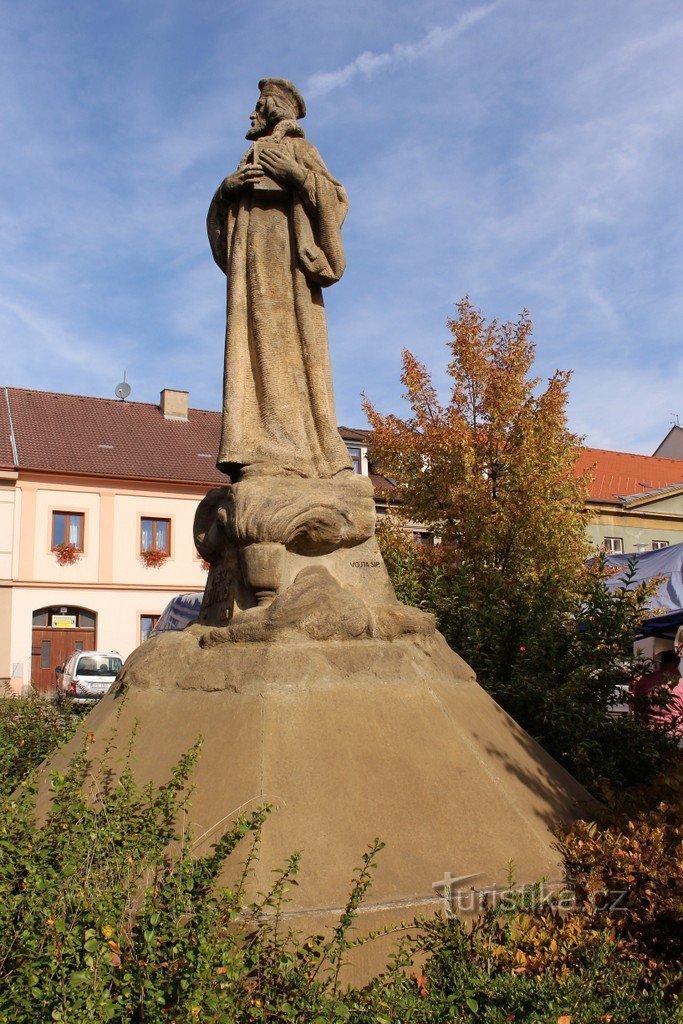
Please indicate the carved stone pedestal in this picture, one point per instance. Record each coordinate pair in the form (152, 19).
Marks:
(259, 534)
(317, 692)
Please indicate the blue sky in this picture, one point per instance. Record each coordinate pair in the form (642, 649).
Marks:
(527, 152)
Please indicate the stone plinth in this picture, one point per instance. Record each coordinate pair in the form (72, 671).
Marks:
(348, 739)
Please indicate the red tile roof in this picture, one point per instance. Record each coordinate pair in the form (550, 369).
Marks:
(105, 437)
(617, 474)
(132, 440)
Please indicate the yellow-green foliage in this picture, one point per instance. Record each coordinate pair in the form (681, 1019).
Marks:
(106, 916)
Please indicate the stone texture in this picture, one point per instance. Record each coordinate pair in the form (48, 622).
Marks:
(278, 247)
(328, 523)
(307, 516)
(347, 740)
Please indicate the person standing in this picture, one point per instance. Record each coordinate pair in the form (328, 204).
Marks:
(678, 648)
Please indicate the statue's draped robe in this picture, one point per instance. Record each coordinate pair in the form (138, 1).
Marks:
(278, 250)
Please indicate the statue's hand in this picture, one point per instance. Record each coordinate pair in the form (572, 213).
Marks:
(241, 179)
(283, 168)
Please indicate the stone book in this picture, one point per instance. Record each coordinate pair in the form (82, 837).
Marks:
(266, 183)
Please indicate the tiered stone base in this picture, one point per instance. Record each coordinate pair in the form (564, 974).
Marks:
(348, 740)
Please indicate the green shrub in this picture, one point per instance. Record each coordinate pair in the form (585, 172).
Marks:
(640, 857)
(30, 729)
(557, 662)
(105, 915)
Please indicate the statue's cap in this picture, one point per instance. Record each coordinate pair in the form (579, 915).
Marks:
(286, 90)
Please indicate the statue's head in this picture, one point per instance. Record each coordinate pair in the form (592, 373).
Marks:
(279, 100)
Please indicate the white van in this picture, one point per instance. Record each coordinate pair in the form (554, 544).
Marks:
(87, 676)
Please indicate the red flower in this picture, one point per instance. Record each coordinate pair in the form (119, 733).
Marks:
(152, 558)
(66, 554)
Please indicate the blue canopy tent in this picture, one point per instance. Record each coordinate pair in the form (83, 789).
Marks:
(178, 613)
(666, 563)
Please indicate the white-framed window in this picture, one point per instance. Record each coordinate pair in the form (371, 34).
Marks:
(658, 544)
(614, 545)
(155, 535)
(356, 458)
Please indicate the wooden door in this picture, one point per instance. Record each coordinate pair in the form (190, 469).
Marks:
(51, 647)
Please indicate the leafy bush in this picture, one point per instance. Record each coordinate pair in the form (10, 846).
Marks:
(558, 664)
(30, 729)
(105, 915)
(538, 968)
(638, 861)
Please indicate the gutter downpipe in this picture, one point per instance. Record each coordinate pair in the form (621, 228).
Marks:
(12, 436)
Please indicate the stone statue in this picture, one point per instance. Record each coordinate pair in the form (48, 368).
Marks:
(294, 501)
(275, 231)
(315, 690)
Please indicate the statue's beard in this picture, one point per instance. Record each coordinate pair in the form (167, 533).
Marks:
(258, 129)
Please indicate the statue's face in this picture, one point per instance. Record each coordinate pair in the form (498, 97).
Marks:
(262, 117)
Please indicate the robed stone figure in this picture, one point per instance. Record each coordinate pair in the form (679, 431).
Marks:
(275, 231)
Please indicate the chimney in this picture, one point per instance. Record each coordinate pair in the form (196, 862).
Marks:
(173, 404)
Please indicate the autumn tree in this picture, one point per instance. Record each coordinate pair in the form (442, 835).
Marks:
(491, 472)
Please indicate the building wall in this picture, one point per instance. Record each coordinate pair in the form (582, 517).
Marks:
(672, 445)
(671, 505)
(7, 517)
(109, 577)
(118, 618)
(635, 529)
(5, 634)
(183, 564)
(8, 531)
(38, 560)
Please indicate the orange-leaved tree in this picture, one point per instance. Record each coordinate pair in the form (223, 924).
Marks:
(491, 471)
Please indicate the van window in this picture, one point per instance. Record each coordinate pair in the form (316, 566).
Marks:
(98, 665)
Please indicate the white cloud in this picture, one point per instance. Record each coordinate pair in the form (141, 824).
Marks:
(367, 63)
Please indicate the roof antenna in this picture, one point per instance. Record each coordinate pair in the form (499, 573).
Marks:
(675, 422)
(122, 390)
